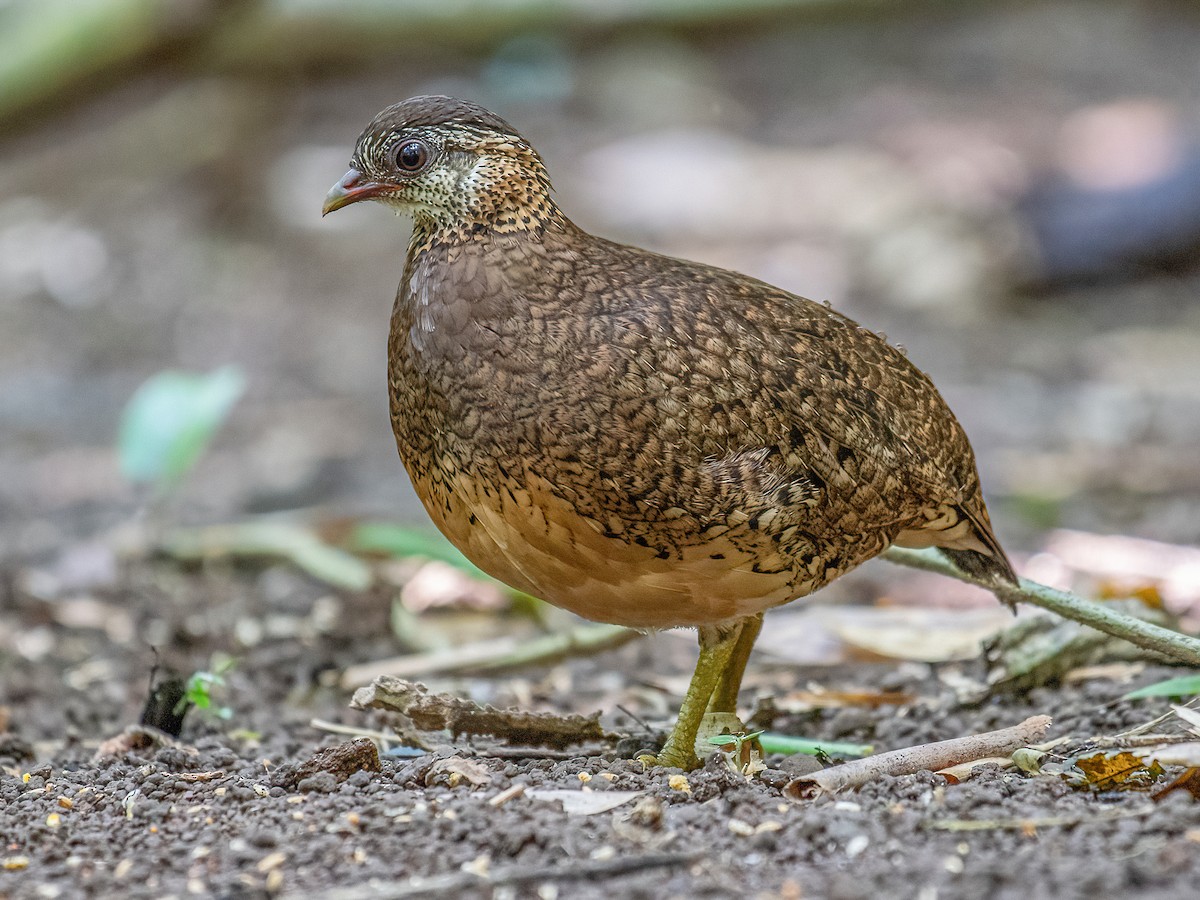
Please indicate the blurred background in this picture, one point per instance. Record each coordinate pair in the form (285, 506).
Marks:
(1009, 190)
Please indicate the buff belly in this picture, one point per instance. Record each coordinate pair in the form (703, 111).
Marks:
(528, 537)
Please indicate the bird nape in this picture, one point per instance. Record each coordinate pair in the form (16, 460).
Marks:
(639, 439)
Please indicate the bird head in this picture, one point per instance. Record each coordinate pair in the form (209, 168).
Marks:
(451, 165)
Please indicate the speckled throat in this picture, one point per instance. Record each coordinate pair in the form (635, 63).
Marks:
(486, 183)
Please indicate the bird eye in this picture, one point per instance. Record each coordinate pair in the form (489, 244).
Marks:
(411, 156)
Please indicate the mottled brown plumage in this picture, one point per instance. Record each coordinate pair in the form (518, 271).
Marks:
(639, 439)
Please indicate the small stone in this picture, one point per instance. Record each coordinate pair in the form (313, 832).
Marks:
(679, 783)
(340, 762)
(740, 828)
(263, 837)
(321, 783)
(800, 764)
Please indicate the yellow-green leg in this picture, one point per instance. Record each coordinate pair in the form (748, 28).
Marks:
(724, 698)
(723, 655)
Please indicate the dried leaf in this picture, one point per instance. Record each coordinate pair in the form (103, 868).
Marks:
(1189, 715)
(800, 636)
(133, 739)
(742, 752)
(437, 584)
(1137, 563)
(1121, 771)
(1123, 672)
(495, 654)
(585, 802)
(1173, 754)
(1189, 781)
(922, 635)
(963, 771)
(1118, 589)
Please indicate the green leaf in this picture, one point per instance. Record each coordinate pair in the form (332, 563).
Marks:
(400, 542)
(171, 419)
(1183, 686)
(271, 538)
(198, 691)
(722, 740)
(200, 687)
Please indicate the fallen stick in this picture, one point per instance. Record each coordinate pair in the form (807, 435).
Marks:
(921, 758)
(1146, 635)
(435, 712)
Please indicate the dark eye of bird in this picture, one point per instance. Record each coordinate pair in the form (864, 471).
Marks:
(411, 156)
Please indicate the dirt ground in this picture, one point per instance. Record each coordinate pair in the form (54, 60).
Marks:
(169, 220)
(219, 815)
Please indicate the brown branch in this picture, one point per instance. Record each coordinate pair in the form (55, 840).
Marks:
(1146, 635)
(434, 712)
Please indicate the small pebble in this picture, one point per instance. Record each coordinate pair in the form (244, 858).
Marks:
(321, 783)
(800, 764)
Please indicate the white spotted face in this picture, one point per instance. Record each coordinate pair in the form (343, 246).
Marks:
(458, 173)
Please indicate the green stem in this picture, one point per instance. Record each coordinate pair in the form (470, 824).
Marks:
(1146, 635)
(785, 743)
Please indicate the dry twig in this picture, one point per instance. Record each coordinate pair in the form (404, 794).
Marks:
(434, 712)
(923, 757)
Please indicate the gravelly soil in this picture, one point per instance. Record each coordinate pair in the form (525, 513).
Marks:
(219, 815)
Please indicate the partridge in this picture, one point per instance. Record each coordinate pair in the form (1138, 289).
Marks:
(639, 439)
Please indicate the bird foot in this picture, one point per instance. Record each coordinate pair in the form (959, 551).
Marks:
(676, 757)
(670, 758)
